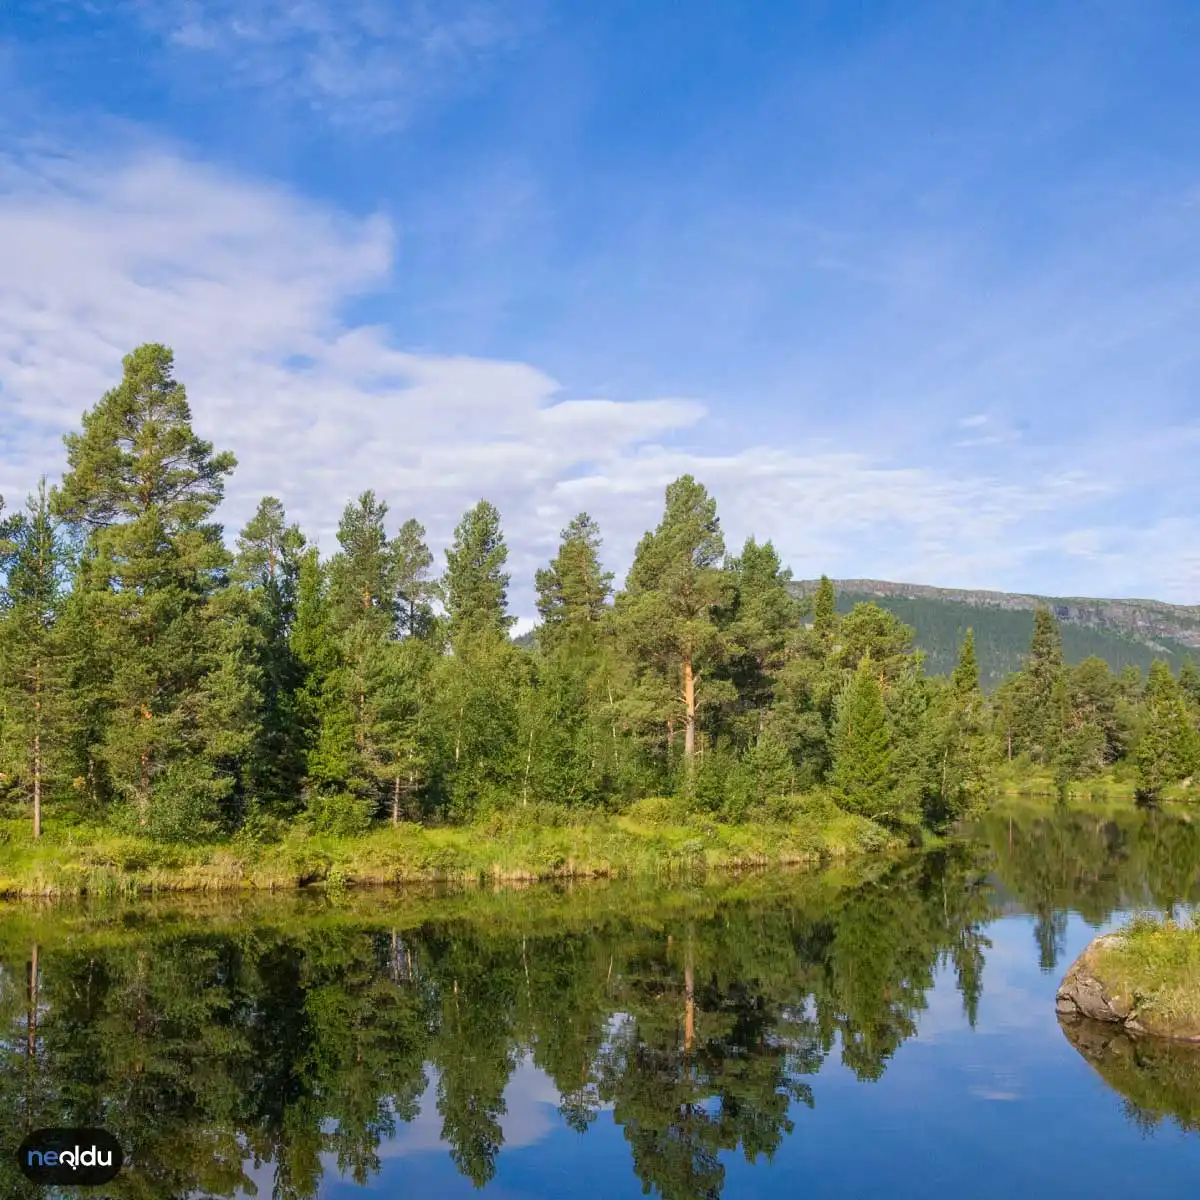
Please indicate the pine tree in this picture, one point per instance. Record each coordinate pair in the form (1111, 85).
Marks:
(824, 608)
(761, 626)
(573, 592)
(475, 584)
(1189, 680)
(267, 566)
(33, 654)
(1169, 748)
(1040, 713)
(143, 487)
(563, 735)
(668, 610)
(862, 753)
(414, 589)
(362, 575)
(914, 705)
(354, 759)
(964, 760)
(965, 677)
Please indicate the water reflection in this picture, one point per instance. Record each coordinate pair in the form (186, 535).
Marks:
(1096, 863)
(1158, 1081)
(263, 1050)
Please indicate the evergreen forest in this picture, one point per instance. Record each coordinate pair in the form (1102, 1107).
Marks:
(160, 678)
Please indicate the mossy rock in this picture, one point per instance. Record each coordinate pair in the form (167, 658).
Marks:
(1116, 982)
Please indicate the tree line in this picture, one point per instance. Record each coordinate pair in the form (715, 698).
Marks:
(157, 680)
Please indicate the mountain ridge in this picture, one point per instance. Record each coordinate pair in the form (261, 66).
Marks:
(1124, 632)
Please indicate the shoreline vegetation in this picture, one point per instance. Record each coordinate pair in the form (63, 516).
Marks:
(180, 709)
(654, 840)
(657, 839)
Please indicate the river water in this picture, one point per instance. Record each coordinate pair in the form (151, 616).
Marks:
(885, 1029)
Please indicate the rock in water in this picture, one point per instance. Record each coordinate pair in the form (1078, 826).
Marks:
(1085, 992)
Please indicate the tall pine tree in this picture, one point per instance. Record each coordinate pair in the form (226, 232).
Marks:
(267, 565)
(143, 487)
(668, 611)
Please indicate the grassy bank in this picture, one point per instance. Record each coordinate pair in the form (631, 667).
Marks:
(1156, 965)
(1113, 786)
(651, 839)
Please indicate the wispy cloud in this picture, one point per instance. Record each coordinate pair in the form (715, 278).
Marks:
(251, 286)
(354, 61)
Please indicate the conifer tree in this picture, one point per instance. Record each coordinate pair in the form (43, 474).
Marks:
(573, 592)
(414, 589)
(142, 487)
(964, 761)
(674, 591)
(762, 624)
(1040, 713)
(267, 565)
(480, 680)
(362, 575)
(364, 749)
(916, 727)
(564, 736)
(475, 584)
(34, 684)
(965, 677)
(862, 751)
(1189, 681)
(824, 608)
(1169, 748)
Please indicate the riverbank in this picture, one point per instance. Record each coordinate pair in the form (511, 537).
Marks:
(1145, 978)
(538, 843)
(1111, 786)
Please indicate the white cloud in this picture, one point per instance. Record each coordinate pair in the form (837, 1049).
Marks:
(250, 285)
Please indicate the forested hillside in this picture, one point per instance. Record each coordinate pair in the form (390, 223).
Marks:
(1122, 632)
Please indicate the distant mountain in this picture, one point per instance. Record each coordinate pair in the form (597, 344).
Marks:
(1122, 632)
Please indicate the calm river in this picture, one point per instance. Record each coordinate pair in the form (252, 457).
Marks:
(885, 1030)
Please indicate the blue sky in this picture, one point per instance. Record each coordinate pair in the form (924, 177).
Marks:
(914, 288)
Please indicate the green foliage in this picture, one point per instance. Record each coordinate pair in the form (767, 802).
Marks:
(140, 489)
(1169, 747)
(475, 584)
(39, 713)
(862, 751)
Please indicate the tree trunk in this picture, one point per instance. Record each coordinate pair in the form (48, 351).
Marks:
(37, 750)
(396, 801)
(31, 1024)
(144, 779)
(528, 768)
(689, 999)
(689, 708)
(612, 708)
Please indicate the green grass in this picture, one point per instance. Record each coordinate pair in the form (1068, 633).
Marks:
(1113, 786)
(1157, 965)
(653, 838)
